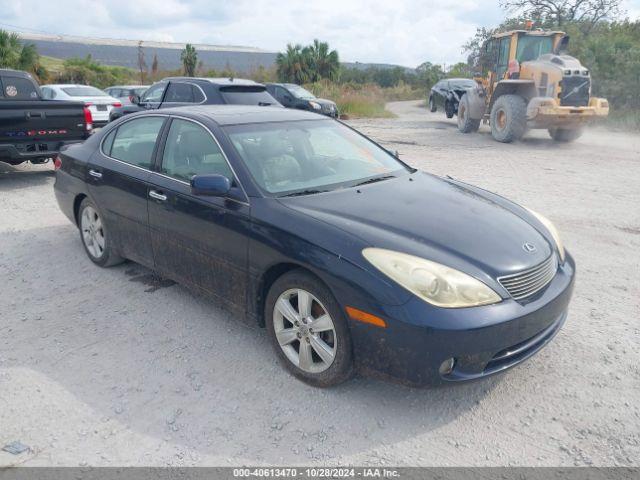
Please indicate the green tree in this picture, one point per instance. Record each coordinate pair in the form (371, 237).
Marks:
(430, 74)
(14, 54)
(322, 62)
(560, 12)
(189, 59)
(293, 65)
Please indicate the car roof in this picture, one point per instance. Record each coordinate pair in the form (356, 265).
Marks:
(215, 80)
(128, 86)
(243, 114)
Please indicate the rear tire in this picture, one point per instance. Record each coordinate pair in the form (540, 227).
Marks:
(299, 331)
(466, 124)
(94, 236)
(448, 109)
(432, 104)
(509, 118)
(565, 135)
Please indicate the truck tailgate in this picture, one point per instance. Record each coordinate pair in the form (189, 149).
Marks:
(41, 120)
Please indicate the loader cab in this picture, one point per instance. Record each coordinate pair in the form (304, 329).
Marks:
(513, 48)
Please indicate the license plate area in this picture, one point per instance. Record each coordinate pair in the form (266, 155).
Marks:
(101, 108)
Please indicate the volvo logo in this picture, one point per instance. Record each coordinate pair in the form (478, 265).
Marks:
(529, 247)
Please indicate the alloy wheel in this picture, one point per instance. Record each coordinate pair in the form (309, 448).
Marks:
(92, 232)
(305, 331)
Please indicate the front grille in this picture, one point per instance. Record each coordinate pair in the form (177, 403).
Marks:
(524, 284)
(574, 91)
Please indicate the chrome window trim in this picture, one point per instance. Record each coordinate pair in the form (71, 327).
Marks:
(190, 103)
(164, 115)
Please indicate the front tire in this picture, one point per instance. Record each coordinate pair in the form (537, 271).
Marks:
(448, 109)
(432, 104)
(509, 118)
(95, 237)
(565, 135)
(308, 330)
(466, 124)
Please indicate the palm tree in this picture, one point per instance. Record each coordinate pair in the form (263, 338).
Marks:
(13, 54)
(324, 63)
(293, 65)
(189, 59)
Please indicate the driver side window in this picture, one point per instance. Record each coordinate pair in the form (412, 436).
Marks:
(191, 150)
(154, 94)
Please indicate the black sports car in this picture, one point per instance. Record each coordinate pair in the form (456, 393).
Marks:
(447, 93)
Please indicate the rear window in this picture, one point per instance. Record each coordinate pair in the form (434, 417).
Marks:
(247, 95)
(16, 88)
(83, 92)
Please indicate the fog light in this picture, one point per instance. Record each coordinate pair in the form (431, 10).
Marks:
(446, 367)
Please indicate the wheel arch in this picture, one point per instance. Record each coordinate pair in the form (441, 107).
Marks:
(524, 88)
(76, 205)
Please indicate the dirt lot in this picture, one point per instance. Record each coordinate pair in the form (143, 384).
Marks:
(113, 367)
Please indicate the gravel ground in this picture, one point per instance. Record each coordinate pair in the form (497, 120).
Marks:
(117, 367)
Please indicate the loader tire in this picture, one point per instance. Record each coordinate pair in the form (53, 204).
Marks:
(466, 124)
(509, 118)
(565, 135)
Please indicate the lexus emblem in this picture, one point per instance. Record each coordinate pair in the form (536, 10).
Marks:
(529, 247)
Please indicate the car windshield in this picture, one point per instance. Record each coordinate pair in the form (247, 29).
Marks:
(247, 95)
(301, 93)
(306, 157)
(84, 92)
(531, 47)
(462, 83)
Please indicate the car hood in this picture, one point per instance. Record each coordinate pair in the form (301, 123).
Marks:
(324, 102)
(434, 218)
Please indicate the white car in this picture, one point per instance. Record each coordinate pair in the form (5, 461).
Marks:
(99, 103)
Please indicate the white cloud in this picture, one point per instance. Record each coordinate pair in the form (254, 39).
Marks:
(405, 32)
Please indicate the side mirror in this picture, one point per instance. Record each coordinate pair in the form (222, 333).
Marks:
(210, 185)
(135, 99)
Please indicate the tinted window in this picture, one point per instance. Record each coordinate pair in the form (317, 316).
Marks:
(282, 94)
(246, 95)
(191, 150)
(179, 92)
(83, 92)
(108, 142)
(135, 140)
(16, 88)
(154, 94)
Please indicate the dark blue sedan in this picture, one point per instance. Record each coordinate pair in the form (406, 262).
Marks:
(350, 258)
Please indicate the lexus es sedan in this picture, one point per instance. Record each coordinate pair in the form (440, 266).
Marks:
(351, 259)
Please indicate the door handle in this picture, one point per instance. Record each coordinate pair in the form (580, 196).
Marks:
(157, 195)
(95, 173)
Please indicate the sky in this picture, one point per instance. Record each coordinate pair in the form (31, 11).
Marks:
(402, 32)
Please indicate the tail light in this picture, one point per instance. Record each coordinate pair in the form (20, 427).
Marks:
(88, 119)
(117, 104)
(57, 163)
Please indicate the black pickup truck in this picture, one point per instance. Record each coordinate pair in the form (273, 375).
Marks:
(32, 128)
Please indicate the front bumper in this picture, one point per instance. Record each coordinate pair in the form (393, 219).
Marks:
(482, 340)
(545, 112)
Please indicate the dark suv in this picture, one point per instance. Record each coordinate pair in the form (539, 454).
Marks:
(181, 91)
(294, 96)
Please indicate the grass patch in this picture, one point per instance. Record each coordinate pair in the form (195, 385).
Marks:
(363, 100)
(52, 64)
(628, 120)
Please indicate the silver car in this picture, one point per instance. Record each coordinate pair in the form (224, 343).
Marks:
(99, 103)
(125, 93)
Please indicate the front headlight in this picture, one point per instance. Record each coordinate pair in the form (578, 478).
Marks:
(552, 230)
(315, 105)
(434, 283)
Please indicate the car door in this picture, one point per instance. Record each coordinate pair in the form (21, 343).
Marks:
(198, 240)
(118, 181)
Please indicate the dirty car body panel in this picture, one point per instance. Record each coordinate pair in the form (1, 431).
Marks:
(233, 247)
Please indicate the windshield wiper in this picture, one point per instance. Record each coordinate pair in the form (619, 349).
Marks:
(374, 180)
(303, 192)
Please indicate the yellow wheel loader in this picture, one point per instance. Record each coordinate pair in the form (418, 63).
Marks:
(528, 81)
